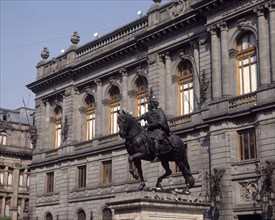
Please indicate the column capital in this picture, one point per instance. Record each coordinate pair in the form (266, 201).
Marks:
(132, 93)
(98, 82)
(259, 10)
(106, 102)
(123, 72)
(232, 53)
(212, 29)
(175, 79)
(152, 58)
(223, 26)
(271, 6)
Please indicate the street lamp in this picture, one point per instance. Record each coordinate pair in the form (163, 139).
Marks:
(265, 196)
(214, 198)
(26, 214)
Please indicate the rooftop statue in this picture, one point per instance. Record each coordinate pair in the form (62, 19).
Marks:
(153, 144)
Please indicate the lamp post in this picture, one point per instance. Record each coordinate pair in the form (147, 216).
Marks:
(213, 213)
(26, 214)
(266, 196)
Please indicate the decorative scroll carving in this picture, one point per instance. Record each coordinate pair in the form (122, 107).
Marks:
(178, 7)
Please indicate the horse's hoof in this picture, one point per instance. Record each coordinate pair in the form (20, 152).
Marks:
(186, 191)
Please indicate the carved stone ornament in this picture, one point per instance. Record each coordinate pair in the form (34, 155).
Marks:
(45, 53)
(75, 38)
(55, 65)
(248, 190)
(33, 136)
(68, 91)
(123, 72)
(178, 7)
(64, 130)
(152, 58)
(204, 84)
(98, 82)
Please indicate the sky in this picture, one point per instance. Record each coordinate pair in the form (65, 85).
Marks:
(27, 26)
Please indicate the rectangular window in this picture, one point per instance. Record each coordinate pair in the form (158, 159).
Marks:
(247, 144)
(186, 97)
(21, 179)
(3, 138)
(115, 107)
(142, 106)
(90, 125)
(81, 176)
(107, 172)
(49, 182)
(57, 134)
(10, 178)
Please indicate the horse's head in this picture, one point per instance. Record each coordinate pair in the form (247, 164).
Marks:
(123, 124)
(128, 125)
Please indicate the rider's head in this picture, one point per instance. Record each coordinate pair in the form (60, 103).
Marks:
(153, 103)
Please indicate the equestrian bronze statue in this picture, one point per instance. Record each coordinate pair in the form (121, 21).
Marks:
(153, 144)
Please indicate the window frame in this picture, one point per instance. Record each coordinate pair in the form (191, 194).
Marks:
(186, 84)
(49, 182)
(81, 176)
(114, 109)
(57, 127)
(243, 54)
(245, 154)
(90, 118)
(107, 171)
(3, 137)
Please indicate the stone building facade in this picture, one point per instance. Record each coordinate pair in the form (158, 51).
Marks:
(210, 65)
(16, 145)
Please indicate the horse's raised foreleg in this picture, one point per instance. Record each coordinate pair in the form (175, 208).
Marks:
(136, 158)
(168, 172)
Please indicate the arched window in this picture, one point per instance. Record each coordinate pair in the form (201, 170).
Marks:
(246, 64)
(141, 98)
(3, 138)
(186, 88)
(49, 216)
(57, 126)
(90, 118)
(114, 109)
(81, 215)
(106, 214)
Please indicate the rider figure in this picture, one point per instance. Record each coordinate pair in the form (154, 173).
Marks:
(156, 124)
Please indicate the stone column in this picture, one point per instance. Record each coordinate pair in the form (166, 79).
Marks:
(263, 48)
(105, 117)
(216, 74)
(132, 94)
(226, 77)
(47, 125)
(3, 206)
(233, 87)
(154, 75)
(175, 95)
(271, 9)
(98, 113)
(196, 83)
(168, 84)
(124, 89)
(15, 188)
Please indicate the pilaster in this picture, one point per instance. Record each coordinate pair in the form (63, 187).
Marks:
(124, 89)
(263, 48)
(98, 117)
(226, 77)
(216, 74)
(271, 11)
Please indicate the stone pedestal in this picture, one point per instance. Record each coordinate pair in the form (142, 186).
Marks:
(143, 205)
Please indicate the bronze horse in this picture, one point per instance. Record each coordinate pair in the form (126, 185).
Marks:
(140, 147)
